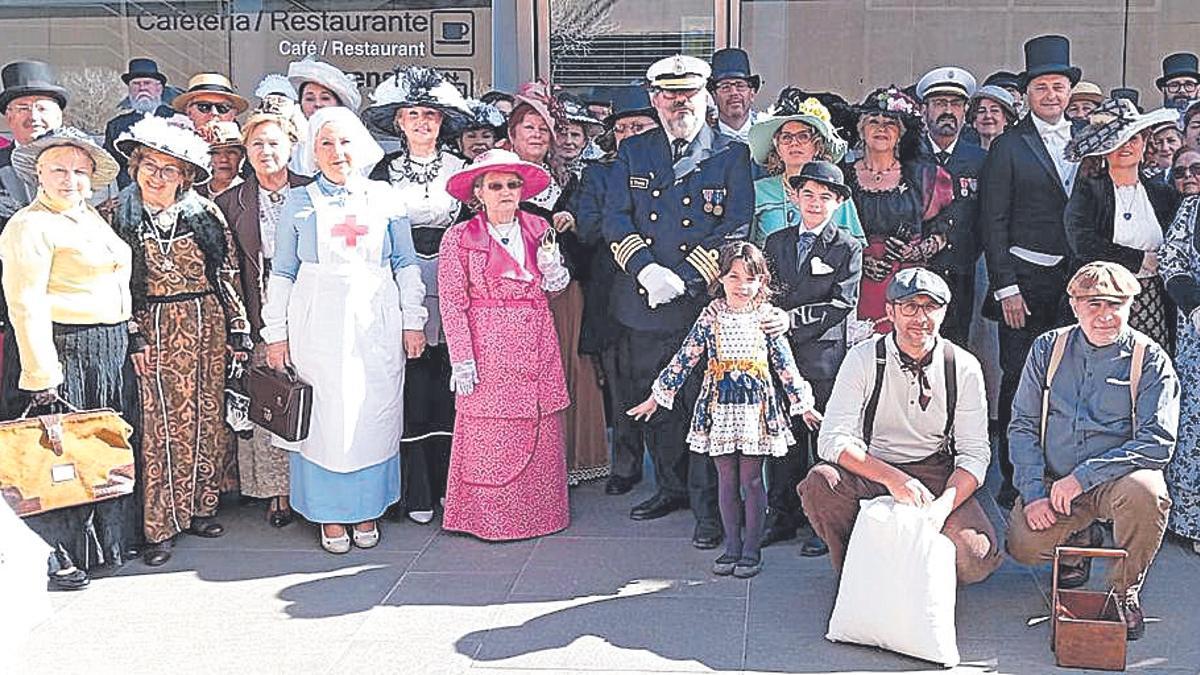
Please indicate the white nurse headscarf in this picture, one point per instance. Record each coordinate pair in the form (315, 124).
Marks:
(364, 150)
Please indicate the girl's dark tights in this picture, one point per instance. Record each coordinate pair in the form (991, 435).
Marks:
(742, 499)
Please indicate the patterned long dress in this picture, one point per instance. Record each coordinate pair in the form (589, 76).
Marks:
(737, 411)
(185, 322)
(1179, 267)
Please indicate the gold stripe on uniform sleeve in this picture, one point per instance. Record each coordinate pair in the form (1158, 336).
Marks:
(705, 262)
(625, 249)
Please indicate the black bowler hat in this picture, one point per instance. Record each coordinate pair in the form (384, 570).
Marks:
(1049, 55)
(732, 63)
(143, 68)
(825, 173)
(1182, 64)
(1005, 80)
(1128, 93)
(30, 78)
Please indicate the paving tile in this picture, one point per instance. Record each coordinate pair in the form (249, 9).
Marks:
(402, 655)
(455, 589)
(452, 552)
(643, 633)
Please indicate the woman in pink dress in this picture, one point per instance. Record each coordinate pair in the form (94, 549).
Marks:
(496, 272)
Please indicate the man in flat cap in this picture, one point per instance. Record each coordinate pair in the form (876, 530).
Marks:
(674, 196)
(1094, 424)
(944, 93)
(907, 417)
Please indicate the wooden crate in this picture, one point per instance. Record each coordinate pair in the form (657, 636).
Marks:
(1087, 630)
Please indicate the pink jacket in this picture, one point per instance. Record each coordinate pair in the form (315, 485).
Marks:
(500, 321)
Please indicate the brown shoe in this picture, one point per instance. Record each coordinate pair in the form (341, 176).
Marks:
(1135, 620)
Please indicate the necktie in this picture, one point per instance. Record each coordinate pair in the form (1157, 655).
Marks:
(803, 245)
(678, 146)
(911, 365)
(942, 157)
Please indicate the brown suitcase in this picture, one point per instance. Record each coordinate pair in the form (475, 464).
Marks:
(58, 461)
(1087, 627)
(279, 402)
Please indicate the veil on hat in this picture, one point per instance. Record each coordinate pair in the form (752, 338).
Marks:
(363, 148)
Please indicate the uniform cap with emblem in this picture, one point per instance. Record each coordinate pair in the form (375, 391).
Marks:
(678, 72)
(1103, 279)
(946, 80)
(914, 281)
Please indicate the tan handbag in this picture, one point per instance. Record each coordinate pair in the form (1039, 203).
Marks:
(55, 461)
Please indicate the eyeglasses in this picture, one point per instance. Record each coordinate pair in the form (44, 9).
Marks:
(207, 107)
(497, 186)
(1184, 87)
(727, 86)
(910, 309)
(1184, 170)
(632, 128)
(168, 173)
(40, 107)
(799, 137)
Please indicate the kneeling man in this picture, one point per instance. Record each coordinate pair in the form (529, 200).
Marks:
(907, 417)
(1094, 424)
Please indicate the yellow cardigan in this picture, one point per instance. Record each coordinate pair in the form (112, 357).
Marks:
(60, 266)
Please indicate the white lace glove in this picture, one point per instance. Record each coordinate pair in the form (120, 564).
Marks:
(463, 378)
(1194, 318)
(555, 276)
(661, 284)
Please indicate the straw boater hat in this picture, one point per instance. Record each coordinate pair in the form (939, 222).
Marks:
(24, 158)
(210, 84)
(177, 141)
(1111, 125)
(312, 70)
(535, 178)
(413, 87)
(794, 106)
(1088, 91)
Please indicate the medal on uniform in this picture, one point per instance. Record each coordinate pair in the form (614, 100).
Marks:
(708, 200)
(718, 197)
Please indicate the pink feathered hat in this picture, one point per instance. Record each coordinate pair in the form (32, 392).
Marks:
(535, 178)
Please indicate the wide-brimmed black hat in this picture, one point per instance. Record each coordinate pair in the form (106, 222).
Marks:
(30, 78)
(1182, 64)
(1049, 55)
(1005, 80)
(732, 63)
(825, 173)
(143, 68)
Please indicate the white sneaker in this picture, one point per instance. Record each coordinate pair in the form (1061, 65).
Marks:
(336, 544)
(366, 538)
(422, 517)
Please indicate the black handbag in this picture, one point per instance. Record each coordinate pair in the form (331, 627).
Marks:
(280, 402)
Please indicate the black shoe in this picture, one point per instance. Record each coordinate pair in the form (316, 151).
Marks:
(279, 515)
(66, 576)
(206, 527)
(706, 537)
(657, 506)
(747, 567)
(813, 547)
(724, 565)
(777, 533)
(157, 554)
(619, 485)
(1135, 620)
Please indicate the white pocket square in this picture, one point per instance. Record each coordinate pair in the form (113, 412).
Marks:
(819, 267)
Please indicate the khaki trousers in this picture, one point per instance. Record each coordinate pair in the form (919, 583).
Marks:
(830, 496)
(1136, 503)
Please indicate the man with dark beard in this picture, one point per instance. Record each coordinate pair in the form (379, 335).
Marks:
(146, 85)
(1180, 81)
(944, 93)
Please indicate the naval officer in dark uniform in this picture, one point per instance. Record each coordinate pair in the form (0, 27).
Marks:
(944, 93)
(675, 195)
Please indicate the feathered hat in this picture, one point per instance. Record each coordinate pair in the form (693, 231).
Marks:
(169, 138)
(539, 97)
(411, 87)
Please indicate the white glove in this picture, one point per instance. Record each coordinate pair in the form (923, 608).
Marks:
(463, 378)
(555, 276)
(1194, 318)
(661, 284)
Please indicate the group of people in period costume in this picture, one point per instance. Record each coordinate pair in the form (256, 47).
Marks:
(788, 310)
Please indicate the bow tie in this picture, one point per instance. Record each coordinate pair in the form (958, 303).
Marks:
(1062, 130)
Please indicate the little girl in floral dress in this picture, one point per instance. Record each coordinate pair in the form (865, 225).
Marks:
(738, 419)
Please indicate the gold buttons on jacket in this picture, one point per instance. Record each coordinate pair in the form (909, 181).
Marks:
(649, 241)
(655, 193)
(687, 200)
(653, 217)
(687, 222)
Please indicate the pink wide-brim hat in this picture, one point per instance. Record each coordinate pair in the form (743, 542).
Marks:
(535, 178)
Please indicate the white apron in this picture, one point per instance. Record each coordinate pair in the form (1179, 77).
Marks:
(345, 334)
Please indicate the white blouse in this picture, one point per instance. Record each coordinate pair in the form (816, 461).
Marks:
(1135, 224)
(508, 235)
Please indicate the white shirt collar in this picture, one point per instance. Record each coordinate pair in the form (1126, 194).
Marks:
(1063, 126)
(937, 148)
(816, 230)
(742, 133)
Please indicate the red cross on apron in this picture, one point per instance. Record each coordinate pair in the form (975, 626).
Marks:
(349, 230)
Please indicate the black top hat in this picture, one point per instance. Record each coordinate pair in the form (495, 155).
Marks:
(1182, 64)
(630, 101)
(1004, 79)
(28, 78)
(825, 173)
(1125, 92)
(1049, 55)
(143, 68)
(732, 63)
